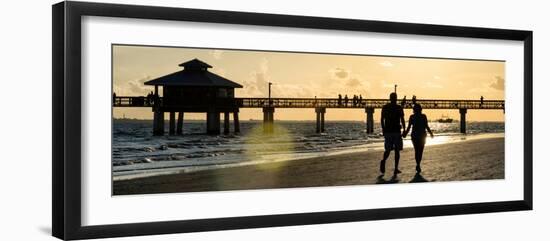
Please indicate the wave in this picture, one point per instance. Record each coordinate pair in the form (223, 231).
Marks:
(136, 151)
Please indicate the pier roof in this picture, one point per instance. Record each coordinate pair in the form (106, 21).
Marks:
(194, 74)
(195, 63)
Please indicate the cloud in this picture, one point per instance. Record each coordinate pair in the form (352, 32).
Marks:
(346, 82)
(217, 54)
(498, 84)
(479, 90)
(220, 71)
(386, 84)
(432, 85)
(386, 64)
(338, 81)
(339, 73)
(353, 82)
(257, 83)
(344, 78)
(133, 87)
(292, 90)
(264, 65)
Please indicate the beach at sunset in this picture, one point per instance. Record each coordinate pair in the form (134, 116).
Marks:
(199, 119)
(471, 159)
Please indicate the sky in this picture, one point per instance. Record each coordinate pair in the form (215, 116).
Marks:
(308, 75)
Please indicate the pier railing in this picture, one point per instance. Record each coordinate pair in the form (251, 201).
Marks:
(227, 105)
(142, 101)
(132, 101)
(365, 103)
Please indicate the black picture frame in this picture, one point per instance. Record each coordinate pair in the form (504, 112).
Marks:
(66, 47)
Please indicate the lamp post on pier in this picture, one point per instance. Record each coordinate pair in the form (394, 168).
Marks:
(269, 93)
(268, 112)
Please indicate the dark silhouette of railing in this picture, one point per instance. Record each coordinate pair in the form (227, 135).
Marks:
(365, 103)
(132, 101)
(141, 101)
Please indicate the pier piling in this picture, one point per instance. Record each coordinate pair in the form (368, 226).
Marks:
(268, 119)
(179, 126)
(323, 121)
(213, 122)
(317, 122)
(237, 127)
(463, 120)
(226, 123)
(158, 123)
(172, 129)
(370, 119)
(320, 117)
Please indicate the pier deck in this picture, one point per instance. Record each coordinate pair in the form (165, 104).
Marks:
(214, 107)
(141, 101)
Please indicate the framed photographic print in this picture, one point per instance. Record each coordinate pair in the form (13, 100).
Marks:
(170, 120)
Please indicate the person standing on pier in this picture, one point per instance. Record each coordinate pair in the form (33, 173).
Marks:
(346, 100)
(419, 123)
(392, 119)
(315, 101)
(149, 98)
(339, 99)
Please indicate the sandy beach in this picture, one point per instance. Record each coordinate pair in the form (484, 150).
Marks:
(467, 160)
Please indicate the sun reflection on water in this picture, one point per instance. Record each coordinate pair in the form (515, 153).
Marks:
(259, 143)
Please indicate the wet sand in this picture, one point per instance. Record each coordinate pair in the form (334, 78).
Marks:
(479, 159)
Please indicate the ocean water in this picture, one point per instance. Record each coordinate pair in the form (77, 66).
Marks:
(137, 153)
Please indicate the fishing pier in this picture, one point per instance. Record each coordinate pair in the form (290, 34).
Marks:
(196, 90)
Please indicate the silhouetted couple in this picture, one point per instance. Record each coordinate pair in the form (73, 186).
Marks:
(392, 120)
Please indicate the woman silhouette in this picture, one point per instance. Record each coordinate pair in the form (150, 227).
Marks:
(419, 123)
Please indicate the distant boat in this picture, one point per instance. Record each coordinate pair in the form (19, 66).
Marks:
(445, 119)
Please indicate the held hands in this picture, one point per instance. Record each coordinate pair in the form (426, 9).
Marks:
(404, 134)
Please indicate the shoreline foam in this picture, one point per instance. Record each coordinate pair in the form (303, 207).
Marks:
(377, 146)
(473, 159)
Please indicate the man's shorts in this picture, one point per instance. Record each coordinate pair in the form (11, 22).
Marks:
(393, 141)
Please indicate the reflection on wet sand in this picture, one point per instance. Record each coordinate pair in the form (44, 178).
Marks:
(477, 159)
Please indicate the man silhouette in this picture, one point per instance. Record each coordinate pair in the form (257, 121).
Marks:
(392, 119)
(346, 100)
